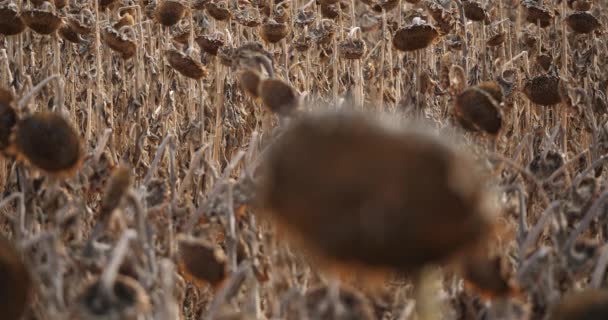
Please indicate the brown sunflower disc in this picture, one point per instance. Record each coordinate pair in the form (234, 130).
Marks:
(10, 22)
(103, 4)
(201, 262)
(249, 81)
(414, 37)
(67, 32)
(496, 39)
(274, 32)
(582, 22)
(8, 118)
(352, 49)
(356, 306)
(218, 10)
(185, 65)
(128, 301)
(538, 15)
(42, 22)
(49, 142)
(543, 90)
(16, 282)
(476, 110)
(210, 43)
(118, 42)
(489, 276)
(169, 12)
(589, 304)
(362, 193)
(580, 5)
(278, 96)
(474, 11)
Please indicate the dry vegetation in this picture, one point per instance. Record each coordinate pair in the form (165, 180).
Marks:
(156, 154)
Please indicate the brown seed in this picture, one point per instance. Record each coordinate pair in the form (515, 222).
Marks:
(352, 49)
(249, 81)
(590, 304)
(49, 142)
(169, 12)
(119, 41)
(538, 15)
(359, 193)
(42, 22)
(218, 10)
(582, 22)
(414, 37)
(185, 64)
(274, 32)
(355, 306)
(127, 300)
(210, 43)
(10, 22)
(200, 262)
(580, 5)
(8, 118)
(474, 11)
(543, 90)
(278, 96)
(16, 282)
(115, 191)
(477, 110)
(496, 39)
(491, 277)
